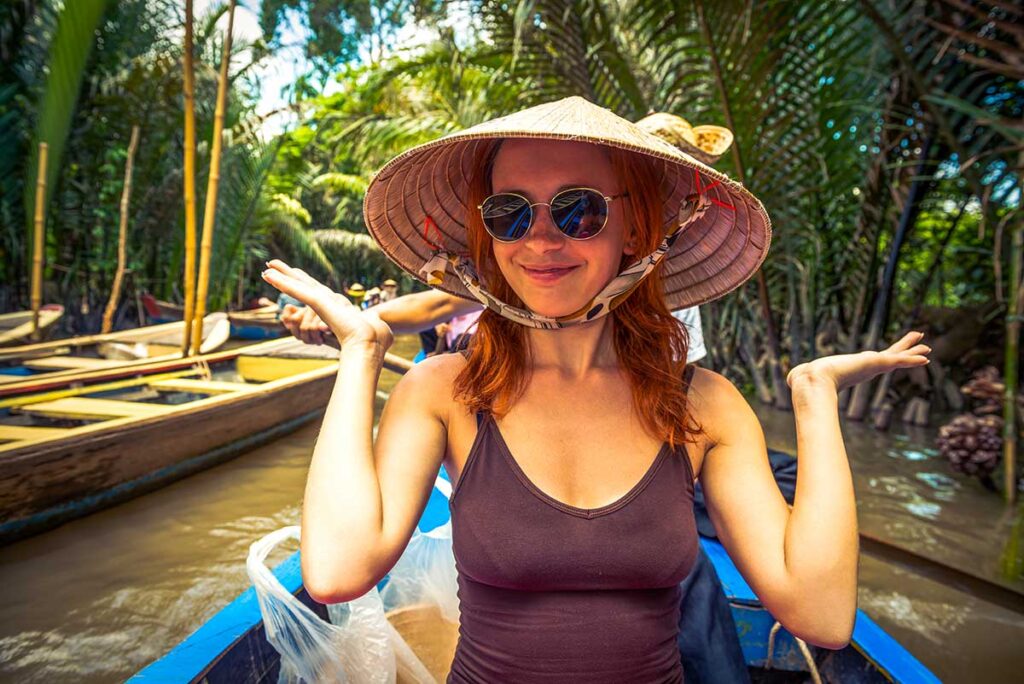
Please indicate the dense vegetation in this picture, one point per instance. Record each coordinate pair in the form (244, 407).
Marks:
(884, 137)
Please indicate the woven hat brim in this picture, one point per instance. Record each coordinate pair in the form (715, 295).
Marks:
(714, 255)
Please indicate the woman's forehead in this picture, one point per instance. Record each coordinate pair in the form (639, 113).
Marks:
(558, 163)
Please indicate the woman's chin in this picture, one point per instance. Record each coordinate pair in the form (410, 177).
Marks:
(554, 309)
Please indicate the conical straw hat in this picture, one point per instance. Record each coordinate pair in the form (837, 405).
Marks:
(713, 256)
(704, 143)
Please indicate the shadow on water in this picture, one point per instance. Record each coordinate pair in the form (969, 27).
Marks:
(98, 598)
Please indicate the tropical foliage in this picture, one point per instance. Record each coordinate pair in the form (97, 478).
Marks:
(884, 138)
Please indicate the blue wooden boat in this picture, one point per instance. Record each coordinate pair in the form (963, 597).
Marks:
(232, 647)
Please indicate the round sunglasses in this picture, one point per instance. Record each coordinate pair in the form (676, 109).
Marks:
(579, 213)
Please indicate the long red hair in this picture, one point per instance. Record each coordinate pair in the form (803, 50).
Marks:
(650, 343)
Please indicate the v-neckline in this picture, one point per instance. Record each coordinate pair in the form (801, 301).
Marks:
(564, 507)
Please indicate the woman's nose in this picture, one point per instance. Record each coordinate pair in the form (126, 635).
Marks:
(543, 234)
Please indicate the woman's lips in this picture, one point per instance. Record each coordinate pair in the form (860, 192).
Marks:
(548, 274)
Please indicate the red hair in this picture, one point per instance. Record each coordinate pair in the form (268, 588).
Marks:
(651, 345)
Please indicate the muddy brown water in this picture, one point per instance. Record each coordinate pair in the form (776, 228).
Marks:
(97, 599)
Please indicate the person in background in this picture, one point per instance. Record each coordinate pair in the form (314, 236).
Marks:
(690, 317)
(372, 297)
(357, 293)
(389, 290)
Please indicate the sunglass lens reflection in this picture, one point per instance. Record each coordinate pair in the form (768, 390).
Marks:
(507, 217)
(579, 214)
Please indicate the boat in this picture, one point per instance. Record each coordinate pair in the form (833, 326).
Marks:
(68, 452)
(232, 645)
(260, 323)
(256, 324)
(16, 327)
(159, 311)
(46, 365)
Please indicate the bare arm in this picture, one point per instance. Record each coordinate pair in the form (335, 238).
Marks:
(802, 563)
(362, 499)
(421, 310)
(409, 313)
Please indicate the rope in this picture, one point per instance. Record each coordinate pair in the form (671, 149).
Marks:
(801, 644)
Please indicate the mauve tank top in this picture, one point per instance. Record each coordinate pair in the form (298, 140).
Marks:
(554, 593)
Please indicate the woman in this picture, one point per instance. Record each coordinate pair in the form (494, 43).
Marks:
(571, 428)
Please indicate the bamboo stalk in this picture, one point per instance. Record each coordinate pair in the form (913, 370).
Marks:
(37, 251)
(210, 210)
(122, 234)
(188, 90)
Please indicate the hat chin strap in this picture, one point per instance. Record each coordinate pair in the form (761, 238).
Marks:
(611, 296)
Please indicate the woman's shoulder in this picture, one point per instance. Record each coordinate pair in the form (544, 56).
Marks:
(431, 381)
(714, 398)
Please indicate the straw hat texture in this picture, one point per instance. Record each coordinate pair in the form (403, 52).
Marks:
(713, 256)
(705, 143)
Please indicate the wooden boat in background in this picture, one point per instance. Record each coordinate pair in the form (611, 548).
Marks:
(46, 365)
(249, 324)
(68, 452)
(17, 327)
(232, 645)
(256, 324)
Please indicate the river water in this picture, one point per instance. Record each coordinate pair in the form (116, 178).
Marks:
(97, 599)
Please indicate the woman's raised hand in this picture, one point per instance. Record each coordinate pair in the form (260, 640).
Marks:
(846, 370)
(351, 326)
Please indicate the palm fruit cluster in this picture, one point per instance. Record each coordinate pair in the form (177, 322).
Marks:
(973, 441)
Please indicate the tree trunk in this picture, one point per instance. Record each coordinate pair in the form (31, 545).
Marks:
(1014, 316)
(781, 389)
(861, 393)
(122, 235)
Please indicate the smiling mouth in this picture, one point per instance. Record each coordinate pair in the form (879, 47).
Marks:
(548, 274)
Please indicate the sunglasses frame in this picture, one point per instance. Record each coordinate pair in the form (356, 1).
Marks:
(608, 199)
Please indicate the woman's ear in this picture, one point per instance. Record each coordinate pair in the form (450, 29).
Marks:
(629, 248)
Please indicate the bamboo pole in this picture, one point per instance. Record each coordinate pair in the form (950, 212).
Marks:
(122, 234)
(188, 90)
(210, 210)
(37, 251)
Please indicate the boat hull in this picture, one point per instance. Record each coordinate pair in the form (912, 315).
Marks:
(232, 647)
(46, 483)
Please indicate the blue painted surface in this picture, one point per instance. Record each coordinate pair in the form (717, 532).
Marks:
(255, 332)
(17, 370)
(419, 356)
(56, 515)
(879, 647)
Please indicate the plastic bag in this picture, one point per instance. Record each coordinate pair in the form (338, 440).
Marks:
(360, 645)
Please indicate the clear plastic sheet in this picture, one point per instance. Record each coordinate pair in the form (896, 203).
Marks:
(359, 645)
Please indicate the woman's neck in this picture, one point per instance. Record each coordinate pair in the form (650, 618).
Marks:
(574, 351)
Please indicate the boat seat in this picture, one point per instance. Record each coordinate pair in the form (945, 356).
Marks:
(71, 363)
(18, 433)
(85, 408)
(200, 386)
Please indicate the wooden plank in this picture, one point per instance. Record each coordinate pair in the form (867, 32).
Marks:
(90, 389)
(17, 433)
(268, 368)
(71, 362)
(85, 408)
(200, 386)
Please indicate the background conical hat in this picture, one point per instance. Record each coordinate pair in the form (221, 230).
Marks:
(713, 256)
(705, 143)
